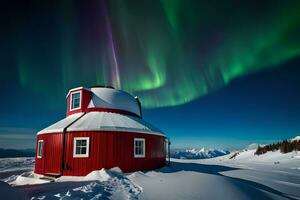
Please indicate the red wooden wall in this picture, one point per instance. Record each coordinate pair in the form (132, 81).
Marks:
(51, 155)
(107, 150)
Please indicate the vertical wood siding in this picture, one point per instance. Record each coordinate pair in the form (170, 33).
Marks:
(106, 150)
(51, 155)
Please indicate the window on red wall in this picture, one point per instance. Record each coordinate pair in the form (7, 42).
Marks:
(75, 101)
(139, 147)
(81, 147)
(40, 148)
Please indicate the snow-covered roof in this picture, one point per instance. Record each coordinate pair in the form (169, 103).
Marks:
(103, 121)
(113, 99)
(78, 88)
(60, 125)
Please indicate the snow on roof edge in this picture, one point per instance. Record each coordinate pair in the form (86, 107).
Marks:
(141, 126)
(113, 121)
(104, 130)
(63, 123)
(77, 88)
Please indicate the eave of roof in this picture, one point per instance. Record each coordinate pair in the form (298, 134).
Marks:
(78, 88)
(103, 121)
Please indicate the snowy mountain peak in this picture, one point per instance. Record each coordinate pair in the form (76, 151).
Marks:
(296, 138)
(252, 146)
(197, 153)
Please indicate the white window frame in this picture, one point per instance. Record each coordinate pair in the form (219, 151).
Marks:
(38, 149)
(144, 148)
(87, 147)
(71, 100)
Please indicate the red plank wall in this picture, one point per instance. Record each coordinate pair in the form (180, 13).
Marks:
(51, 155)
(107, 150)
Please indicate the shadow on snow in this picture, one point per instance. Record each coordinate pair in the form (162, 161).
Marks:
(251, 188)
(50, 189)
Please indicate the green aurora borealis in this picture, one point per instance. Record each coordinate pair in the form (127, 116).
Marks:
(167, 52)
(218, 74)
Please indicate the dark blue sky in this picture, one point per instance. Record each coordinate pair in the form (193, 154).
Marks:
(219, 74)
(262, 107)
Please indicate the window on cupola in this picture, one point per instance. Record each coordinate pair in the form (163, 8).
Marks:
(75, 100)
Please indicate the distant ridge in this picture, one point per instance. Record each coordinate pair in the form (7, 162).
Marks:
(284, 146)
(14, 153)
(197, 154)
(295, 138)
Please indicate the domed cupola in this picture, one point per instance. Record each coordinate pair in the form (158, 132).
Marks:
(101, 98)
(115, 100)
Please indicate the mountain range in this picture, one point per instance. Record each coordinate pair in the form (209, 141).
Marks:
(197, 154)
(13, 153)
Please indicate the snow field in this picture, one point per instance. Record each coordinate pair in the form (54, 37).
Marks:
(269, 176)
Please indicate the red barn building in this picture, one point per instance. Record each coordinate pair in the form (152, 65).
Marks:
(103, 129)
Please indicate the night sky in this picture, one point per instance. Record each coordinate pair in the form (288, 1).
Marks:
(219, 74)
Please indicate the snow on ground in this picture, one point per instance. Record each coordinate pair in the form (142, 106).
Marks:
(269, 176)
(247, 159)
(7, 192)
(100, 184)
(11, 168)
(273, 170)
(14, 164)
